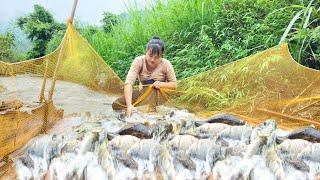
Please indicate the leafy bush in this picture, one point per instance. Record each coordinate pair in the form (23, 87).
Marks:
(7, 42)
(203, 34)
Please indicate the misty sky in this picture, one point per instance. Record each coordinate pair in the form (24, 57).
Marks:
(88, 11)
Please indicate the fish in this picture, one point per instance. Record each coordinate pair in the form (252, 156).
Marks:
(258, 172)
(71, 146)
(128, 161)
(45, 147)
(237, 150)
(119, 147)
(244, 169)
(88, 126)
(275, 164)
(105, 160)
(156, 155)
(23, 172)
(40, 165)
(178, 116)
(89, 142)
(138, 130)
(266, 128)
(81, 166)
(223, 118)
(26, 160)
(95, 172)
(186, 162)
(206, 150)
(310, 134)
(297, 164)
(181, 121)
(145, 149)
(220, 168)
(178, 147)
(121, 144)
(62, 167)
(211, 129)
(181, 142)
(165, 164)
(237, 132)
(256, 146)
(292, 147)
(161, 131)
(311, 152)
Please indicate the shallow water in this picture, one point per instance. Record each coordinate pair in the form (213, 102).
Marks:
(71, 97)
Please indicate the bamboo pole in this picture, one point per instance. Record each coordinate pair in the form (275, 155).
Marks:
(73, 10)
(43, 86)
(54, 79)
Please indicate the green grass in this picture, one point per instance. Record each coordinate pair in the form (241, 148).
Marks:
(203, 34)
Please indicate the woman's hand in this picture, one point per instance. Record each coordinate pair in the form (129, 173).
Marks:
(157, 84)
(140, 86)
(130, 110)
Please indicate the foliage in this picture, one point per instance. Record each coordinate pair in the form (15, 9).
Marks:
(6, 44)
(39, 27)
(109, 20)
(303, 34)
(203, 34)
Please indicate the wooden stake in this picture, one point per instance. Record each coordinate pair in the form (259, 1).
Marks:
(43, 86)
(54, 78)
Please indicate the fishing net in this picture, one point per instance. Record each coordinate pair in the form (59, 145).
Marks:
(269, 84)
(79, 64)
(26, 112)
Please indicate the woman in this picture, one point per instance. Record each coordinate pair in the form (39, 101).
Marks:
(150, 68)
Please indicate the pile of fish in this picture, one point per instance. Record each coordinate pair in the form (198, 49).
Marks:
(175, 145)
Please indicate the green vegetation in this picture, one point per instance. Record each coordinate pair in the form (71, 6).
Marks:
(109, 20)
(39, 27)
(7, 42)
(199, 34)
(203, 34)
(303, 33)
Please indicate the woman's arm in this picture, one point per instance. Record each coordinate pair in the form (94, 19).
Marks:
(128, 99)
(171, 78)
(128, 94)
(130, 79)
(169, 85)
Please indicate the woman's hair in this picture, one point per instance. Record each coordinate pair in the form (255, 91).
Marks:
(156, 45)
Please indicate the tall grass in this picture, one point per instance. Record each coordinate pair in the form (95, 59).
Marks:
(198, 34)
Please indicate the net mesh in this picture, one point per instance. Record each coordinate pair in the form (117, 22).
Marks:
(25, 108)
(79, 63)
(269, 84)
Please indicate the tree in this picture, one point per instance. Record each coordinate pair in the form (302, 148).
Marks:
(109, 20)
(39, 26)
(6, 44)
